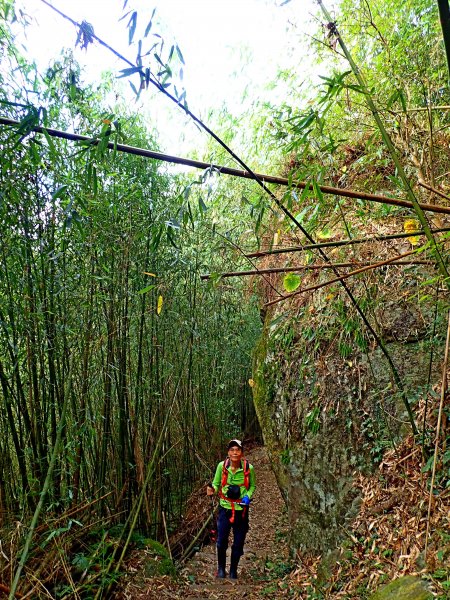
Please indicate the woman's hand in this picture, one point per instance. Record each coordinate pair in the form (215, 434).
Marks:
(210, 491)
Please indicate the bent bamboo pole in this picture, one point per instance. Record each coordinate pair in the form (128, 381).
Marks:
(375, 238)
(326, 189)
(309, 268)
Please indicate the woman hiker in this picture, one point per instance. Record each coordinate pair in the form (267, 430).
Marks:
(234, 482)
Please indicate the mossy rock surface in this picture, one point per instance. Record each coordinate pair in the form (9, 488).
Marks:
(159, 562)
(404, 588)
(155, 567)
(328, 407)
(156, 548)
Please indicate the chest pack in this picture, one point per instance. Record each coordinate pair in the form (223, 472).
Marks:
(233, 492)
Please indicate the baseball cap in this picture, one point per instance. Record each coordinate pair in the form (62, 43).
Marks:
(232, 443)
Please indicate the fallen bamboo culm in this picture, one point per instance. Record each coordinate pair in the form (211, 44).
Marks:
(310, 268)
(337, 279)
(375, 238)
(189, 549)
(325, 189)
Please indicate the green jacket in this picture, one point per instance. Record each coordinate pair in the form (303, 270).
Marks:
(234, 479)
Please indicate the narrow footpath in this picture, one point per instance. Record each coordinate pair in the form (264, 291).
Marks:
(261, 569)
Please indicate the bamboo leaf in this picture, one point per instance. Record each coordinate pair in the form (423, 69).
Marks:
(291, 282)
(50, 143)
(146, 289)
(160, 305)
(85, 35)
(317, 191)
(325, 234)
(410, 226)
(59, 192)
(171, 237)
(149, 26)
(129, 71)
(133, 87)
(173, 224)
(180, 56)
(132, 27)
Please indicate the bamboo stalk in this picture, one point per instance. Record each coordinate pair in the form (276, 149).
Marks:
(444, 17)
(188, 550)
(245, 174)
(427, 108)
(430, 188)
(166, 534)
(310, 268)
(73, 511)
(376, 238)
(93, 557)
(40, 583)
(438, 428)
(46, 485)
(151, 469)
(341, 278)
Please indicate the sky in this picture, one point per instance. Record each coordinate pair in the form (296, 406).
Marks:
(230, 48)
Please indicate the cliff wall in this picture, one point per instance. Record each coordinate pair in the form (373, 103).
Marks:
(326, 397)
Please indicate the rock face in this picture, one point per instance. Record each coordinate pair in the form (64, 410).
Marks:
(404, 588)
(328, 405)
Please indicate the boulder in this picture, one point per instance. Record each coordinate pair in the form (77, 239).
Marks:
(404, 588)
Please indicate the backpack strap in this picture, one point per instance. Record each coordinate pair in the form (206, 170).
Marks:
(225, 467)
(246, 474)
(246, 484)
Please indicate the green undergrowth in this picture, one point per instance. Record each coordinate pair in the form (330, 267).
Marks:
(88, 555)
(158, 560)
(275, 575)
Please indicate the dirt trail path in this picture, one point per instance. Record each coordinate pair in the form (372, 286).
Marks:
(265, 545)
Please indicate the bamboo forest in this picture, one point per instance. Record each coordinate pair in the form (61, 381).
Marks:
(224, 305)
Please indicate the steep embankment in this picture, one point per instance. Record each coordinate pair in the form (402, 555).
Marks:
(330, 396)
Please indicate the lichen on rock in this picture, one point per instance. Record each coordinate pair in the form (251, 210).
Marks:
(403, 588)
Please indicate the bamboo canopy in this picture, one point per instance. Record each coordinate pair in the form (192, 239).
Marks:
(326, 189)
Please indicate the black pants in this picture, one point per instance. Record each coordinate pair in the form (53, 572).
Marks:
(240, 528)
